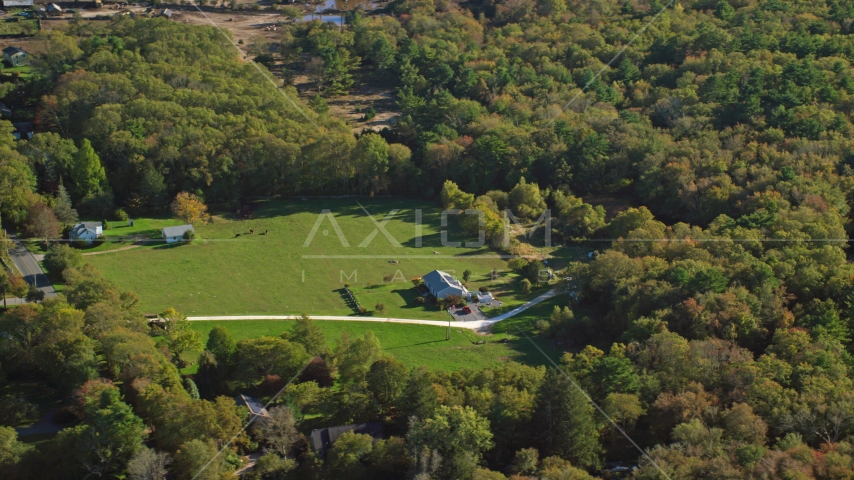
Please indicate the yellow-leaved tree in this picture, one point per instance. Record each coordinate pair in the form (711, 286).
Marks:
(190, 208)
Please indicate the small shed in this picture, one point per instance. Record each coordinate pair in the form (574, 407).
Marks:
(256, 408)
(176, 234)
(15, 56)
(54, 10)
(323, 439)
(86, 231)
(165, 13)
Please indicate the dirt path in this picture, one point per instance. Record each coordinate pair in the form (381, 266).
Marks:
(121, 249)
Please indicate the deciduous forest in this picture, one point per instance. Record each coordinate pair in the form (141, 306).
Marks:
(702, 150)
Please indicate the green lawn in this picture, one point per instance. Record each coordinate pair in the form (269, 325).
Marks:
(411, 344)
(18, 25)
(257, 273)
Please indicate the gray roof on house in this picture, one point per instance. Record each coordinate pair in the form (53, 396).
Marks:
(53, 7)
(437, 281)
(12, 50)
(322, 439)
(82, 227)
(177, 231)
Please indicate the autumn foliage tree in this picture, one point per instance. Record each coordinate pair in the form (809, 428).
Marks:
(41, 222)
(190, 208)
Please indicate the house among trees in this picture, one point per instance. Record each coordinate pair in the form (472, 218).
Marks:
(5, 112)
(256, 408)
(86, 231)
(176, 234)
(442, 284)
(16, 56)
(323, 439)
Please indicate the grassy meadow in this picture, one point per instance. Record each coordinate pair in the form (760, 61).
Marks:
(411, 344)
(279, 270)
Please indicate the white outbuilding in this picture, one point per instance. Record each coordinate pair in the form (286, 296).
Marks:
(176, 234)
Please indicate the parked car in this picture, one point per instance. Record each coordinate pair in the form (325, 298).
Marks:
(466, 310)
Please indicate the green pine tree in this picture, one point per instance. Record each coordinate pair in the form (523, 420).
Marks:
(62, 207)
(564, 417)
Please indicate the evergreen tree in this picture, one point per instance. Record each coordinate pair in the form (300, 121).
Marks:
(309, 335)
(221, 344)
(564, 418)
(190, 387)
(62, 207)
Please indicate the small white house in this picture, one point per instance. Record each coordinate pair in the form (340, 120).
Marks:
(86, 231)
(176, 234)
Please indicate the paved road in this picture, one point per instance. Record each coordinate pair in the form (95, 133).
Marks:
(30, 268)
(474, 325)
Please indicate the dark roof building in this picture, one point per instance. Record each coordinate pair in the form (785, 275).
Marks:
(16, 56)
(256, 408)
(323, 439)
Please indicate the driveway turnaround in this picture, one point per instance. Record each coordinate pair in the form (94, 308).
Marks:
(30, 268)
(472, 325)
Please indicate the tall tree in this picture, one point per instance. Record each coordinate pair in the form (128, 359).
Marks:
(458, 434)
(87, 172)
(309, 335)
(278, 430)
(62, 207)
(147, 464)
(564, 420)
(221, 344)
(41, 222)
(180, 334)
(386, 381)
(371, 157)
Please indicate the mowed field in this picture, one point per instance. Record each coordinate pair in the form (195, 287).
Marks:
(417, 345)
(282, 268)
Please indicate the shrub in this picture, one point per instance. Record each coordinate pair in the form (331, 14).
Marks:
(420, 300)
(60, 257)
(14, 411)
(484, 289)
(370, 113)
(120, 215)
(189, 235)
(363, 310)
(526, 285)
(380, 307)
(106, 224)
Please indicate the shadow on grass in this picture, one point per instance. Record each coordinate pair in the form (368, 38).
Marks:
(416, 344)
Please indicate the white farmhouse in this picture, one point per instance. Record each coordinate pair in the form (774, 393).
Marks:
(86, 231)
(176, 234)
(442, 284)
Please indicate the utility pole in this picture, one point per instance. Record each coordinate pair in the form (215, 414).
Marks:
(448, 334)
